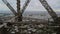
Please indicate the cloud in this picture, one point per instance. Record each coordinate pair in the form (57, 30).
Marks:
(55, 4)
(3, 7)
(34, 5)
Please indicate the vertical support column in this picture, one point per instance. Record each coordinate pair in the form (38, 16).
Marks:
(18, 11)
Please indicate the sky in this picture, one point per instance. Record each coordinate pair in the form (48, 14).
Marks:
(34, 5)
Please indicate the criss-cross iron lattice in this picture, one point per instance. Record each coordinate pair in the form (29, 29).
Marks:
(20, 12)
(46, 6)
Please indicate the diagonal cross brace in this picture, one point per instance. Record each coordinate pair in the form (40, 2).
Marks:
(46, 6)
(10, 7)
(25, 5)
(43, 2)
(49, 9)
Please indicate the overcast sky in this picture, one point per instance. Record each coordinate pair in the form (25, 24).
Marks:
(34, 5)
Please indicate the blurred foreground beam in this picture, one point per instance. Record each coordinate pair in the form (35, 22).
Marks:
(25, 5)
(10, 7)
(49, 9)
(29, 22)
(18, 11)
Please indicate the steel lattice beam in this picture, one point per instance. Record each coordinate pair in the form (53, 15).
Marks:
(18, 11)
(18, 6)
(25, 5)
(49, 9)
(46, 6)
(43, 2)
(10, 7)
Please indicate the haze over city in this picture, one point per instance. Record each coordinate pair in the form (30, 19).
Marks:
(34, 5)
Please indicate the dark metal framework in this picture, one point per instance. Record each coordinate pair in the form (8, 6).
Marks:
(49, 9)
(10, 7)
(20, 12)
